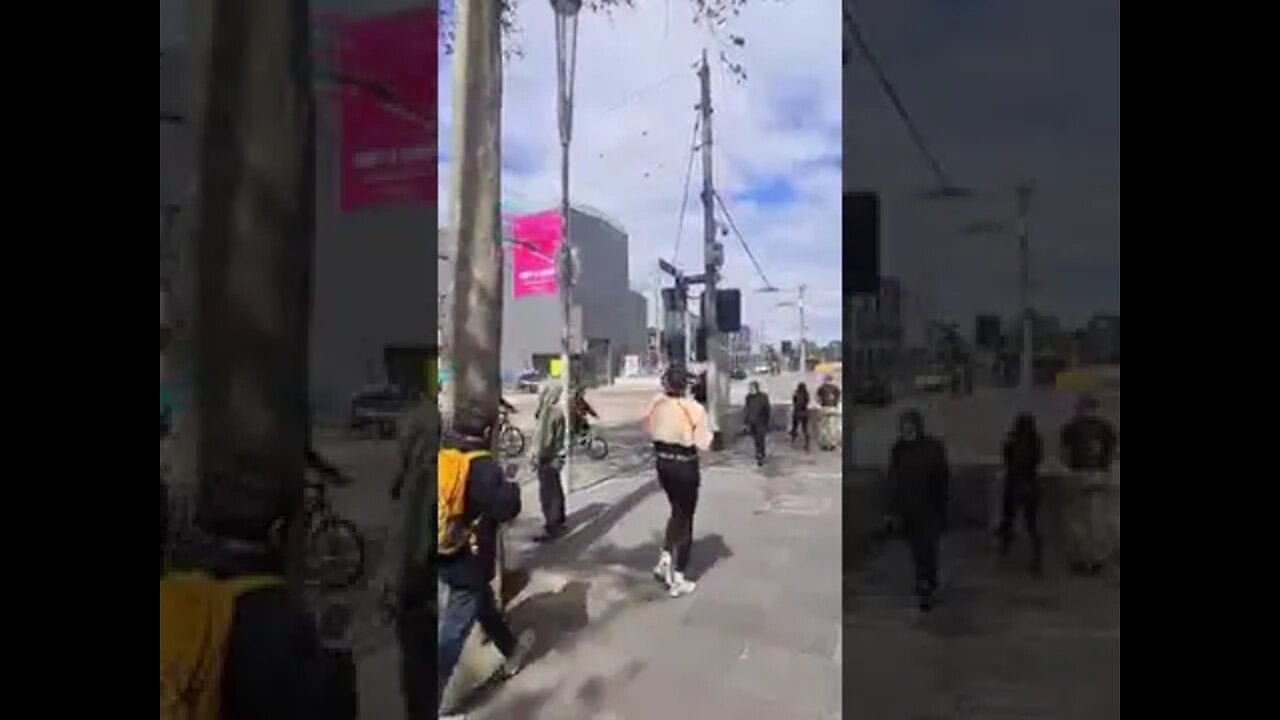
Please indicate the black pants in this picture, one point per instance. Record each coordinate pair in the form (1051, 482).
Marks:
(800, 422)
(680, 480)
(551, 496)
(465, 607)
(758, 434)
(923, 535)
(1024, 498)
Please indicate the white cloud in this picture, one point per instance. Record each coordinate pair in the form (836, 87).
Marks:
(635, 94)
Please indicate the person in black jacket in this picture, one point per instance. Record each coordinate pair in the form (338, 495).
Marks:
(1023, 452)
(800, 414)
(756, 418)
(1088, 447)
(276, 664)
(919, 478)
(491, 500)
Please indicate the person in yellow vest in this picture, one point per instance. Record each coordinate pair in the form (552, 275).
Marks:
(475, 498)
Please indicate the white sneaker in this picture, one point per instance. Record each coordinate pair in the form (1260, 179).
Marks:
(662, 571)
(515, 663)
(680, 585)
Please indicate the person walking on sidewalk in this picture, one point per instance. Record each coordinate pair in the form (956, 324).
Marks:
(548, 460)
(474, 499)
(678, 428)
(755, 416)
(919, 478)
(828, 414)
(1088, 448)
(1023, 452)
(800, 414)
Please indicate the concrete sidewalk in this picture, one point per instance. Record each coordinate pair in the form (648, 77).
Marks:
(759, 638)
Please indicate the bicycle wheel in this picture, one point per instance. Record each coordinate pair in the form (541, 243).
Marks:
(511, 441)
(335, 554)
(597, 447)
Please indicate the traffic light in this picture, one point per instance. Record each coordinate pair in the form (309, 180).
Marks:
(729, 310)
(862, 243)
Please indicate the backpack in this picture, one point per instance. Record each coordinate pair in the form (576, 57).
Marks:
(196, 612)
(453, 533)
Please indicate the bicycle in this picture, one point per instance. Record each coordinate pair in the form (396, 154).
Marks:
(591, 442)
(335, 548)
(511, 440)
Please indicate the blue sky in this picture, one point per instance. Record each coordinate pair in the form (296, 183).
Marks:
(777, 145)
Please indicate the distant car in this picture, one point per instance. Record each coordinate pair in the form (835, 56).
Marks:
(872, 391)
(378, 408)
(738, 374)
(530, 382)
(762, 369)
(934, 379)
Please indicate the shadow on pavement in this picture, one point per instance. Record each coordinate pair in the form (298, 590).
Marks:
(553, 616)
(706, 553)
(588, 532)
(589, 697)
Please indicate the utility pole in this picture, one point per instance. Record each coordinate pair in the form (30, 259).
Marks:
(712, 258)
(688, 334)
(1025, 191)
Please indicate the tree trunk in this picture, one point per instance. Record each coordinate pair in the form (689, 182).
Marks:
(244, 286)
(473, 206)
(477, 289)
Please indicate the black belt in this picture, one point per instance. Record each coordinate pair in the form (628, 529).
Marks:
(675, 453)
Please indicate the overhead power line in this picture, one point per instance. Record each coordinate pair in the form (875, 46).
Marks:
(684, 196)
(734, 227)
(891, 91)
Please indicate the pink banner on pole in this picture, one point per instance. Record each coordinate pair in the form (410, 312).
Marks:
(387, 68)
(533, 264)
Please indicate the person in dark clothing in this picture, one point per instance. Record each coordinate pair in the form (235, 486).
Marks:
(276, 663)
(1088, 449)
(756, 418)
(919, 478)
(699, 389)
(581, 410)
(491, 500)
(828, 393)
(1023, 452)
(800, 414)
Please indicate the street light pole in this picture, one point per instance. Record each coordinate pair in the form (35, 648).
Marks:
(804, 353)
(566, 12)
(1025, 191)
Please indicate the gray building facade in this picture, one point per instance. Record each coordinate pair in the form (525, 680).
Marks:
(608, 317)
(373, 284)
(875, 327)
